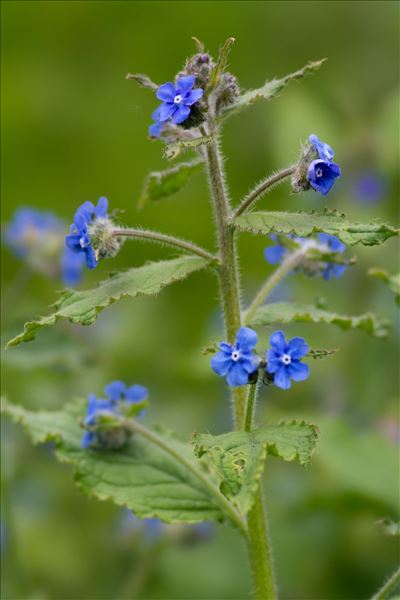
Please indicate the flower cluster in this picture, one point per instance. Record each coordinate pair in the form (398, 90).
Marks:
(91, 234)
(177, 102)
(322, 172)
(101, 422)
(238, 363)
(325, 243)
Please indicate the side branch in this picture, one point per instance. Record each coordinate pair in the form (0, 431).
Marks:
(263, 187)
(169, 240)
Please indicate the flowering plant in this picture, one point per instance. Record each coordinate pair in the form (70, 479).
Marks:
(212, 477)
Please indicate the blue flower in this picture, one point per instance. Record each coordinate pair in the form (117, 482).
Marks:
(156, 128)
(79, 239)
(334, 245)
(322, 175)
(96, 407)
(283, 360)
(324, 151)
(32, 230)
(177, 100)
(71, 267)
(239, 361)
(275, 254)
(118, 391)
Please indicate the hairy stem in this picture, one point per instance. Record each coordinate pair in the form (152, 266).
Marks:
(258, 546)
(262, 188)
(388, 586)
(162, 238)
(135, 427)
(251, 399)
(280, 273)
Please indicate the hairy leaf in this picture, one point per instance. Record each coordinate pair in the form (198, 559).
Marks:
(270, 89)
(238, 457)
(172, 150)
(305, 224)
(141, 476)
(288, 312)
(143, 80)
(83, 307)
(221, 63)
(392, 281)
(160, 184)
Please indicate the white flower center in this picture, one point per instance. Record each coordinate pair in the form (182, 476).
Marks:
(235, 355)
(318, 172)
(286, 359)
(82, 242)
(178, 99)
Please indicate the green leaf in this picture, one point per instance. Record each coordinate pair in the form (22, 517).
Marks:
(317, 354)
(392, 281)
(172, 150)
(143, 80)
(270, 89)
(305, 224)
(238, 457)
(221, 63)
(83, 307)
(160, 184)
(288, 312)
(140, 476)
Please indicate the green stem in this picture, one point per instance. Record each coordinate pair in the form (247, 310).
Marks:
(280, 273)
(162, 238)
(251, 399)
(262, 188)
(388, 586)
(135, 427)
(258, 545)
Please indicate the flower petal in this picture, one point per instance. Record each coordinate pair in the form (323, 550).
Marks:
(237, 376)
(221, 363)
(181, 114)
(278, 342)
(155, 130)
(166, 92)
(246, 338)
(136, 393)
(185, 84)
(273, 362)
(91, 261)
(193, 96)
(282, 379)
(166, 111)
(274, 254)
(115, 390)
(73, 242)
(297, 348)
(298, 371)
(250, 363)
(86, 210)
(228, 348)
(101, 208)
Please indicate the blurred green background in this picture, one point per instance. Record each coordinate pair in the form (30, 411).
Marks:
(74, 129)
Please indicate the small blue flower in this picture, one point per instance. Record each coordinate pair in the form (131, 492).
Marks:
(324, 151)
(275, 254)
(79, 239)
(239, 361)
(334, 245)
(96, 407)
(283, 360)
(71, 267)
(156, 128)
(177, 100)
(322, 175)
(118, 391)
(32, 230)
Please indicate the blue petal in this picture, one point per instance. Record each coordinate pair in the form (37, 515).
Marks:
(181, 114)
(136, 393)
(274, 254)
(246, 338)
(325, 152)
(73, 242)
(166, 92)
(297, 348)
(91, 261)
(87, 439)
(250, 363)
(101, 208)
(80, 222)
(167, 110)
(332, 242)
(273, 362)
(324, 183)
(221, 363)
(282, 379)
(237, 376)
(228, 348)
(155, 115)
(185, 84)
(155, 130)
(86, 210)
(298, 371)
(71, 266)
(333, 270)
(278, 342)
(193, 97)
(115, 390)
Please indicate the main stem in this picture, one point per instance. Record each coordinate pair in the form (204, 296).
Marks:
(258, 546)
